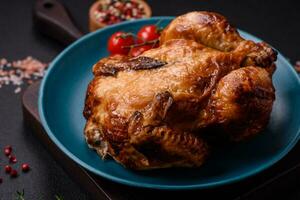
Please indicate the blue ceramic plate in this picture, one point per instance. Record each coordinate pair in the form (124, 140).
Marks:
(61, 103)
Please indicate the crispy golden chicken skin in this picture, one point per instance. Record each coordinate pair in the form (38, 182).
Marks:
(152, 111)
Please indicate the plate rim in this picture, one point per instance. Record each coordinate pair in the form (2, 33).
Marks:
(65, 150)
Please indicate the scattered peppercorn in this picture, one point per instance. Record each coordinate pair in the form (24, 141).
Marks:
(7, 150)
(8, 169)
(25, 167)
(12, 158)
(13, 173)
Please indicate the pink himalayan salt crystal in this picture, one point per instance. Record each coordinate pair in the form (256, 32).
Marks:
(21, 71)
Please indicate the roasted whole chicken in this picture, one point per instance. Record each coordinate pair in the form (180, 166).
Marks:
(156, 110)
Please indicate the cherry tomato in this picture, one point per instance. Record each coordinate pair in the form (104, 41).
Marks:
(136, 51)
(118, 42)
(148, 33)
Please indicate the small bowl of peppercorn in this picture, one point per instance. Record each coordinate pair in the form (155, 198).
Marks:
(107, 12)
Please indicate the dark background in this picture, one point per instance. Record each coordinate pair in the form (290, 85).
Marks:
(276, 22)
